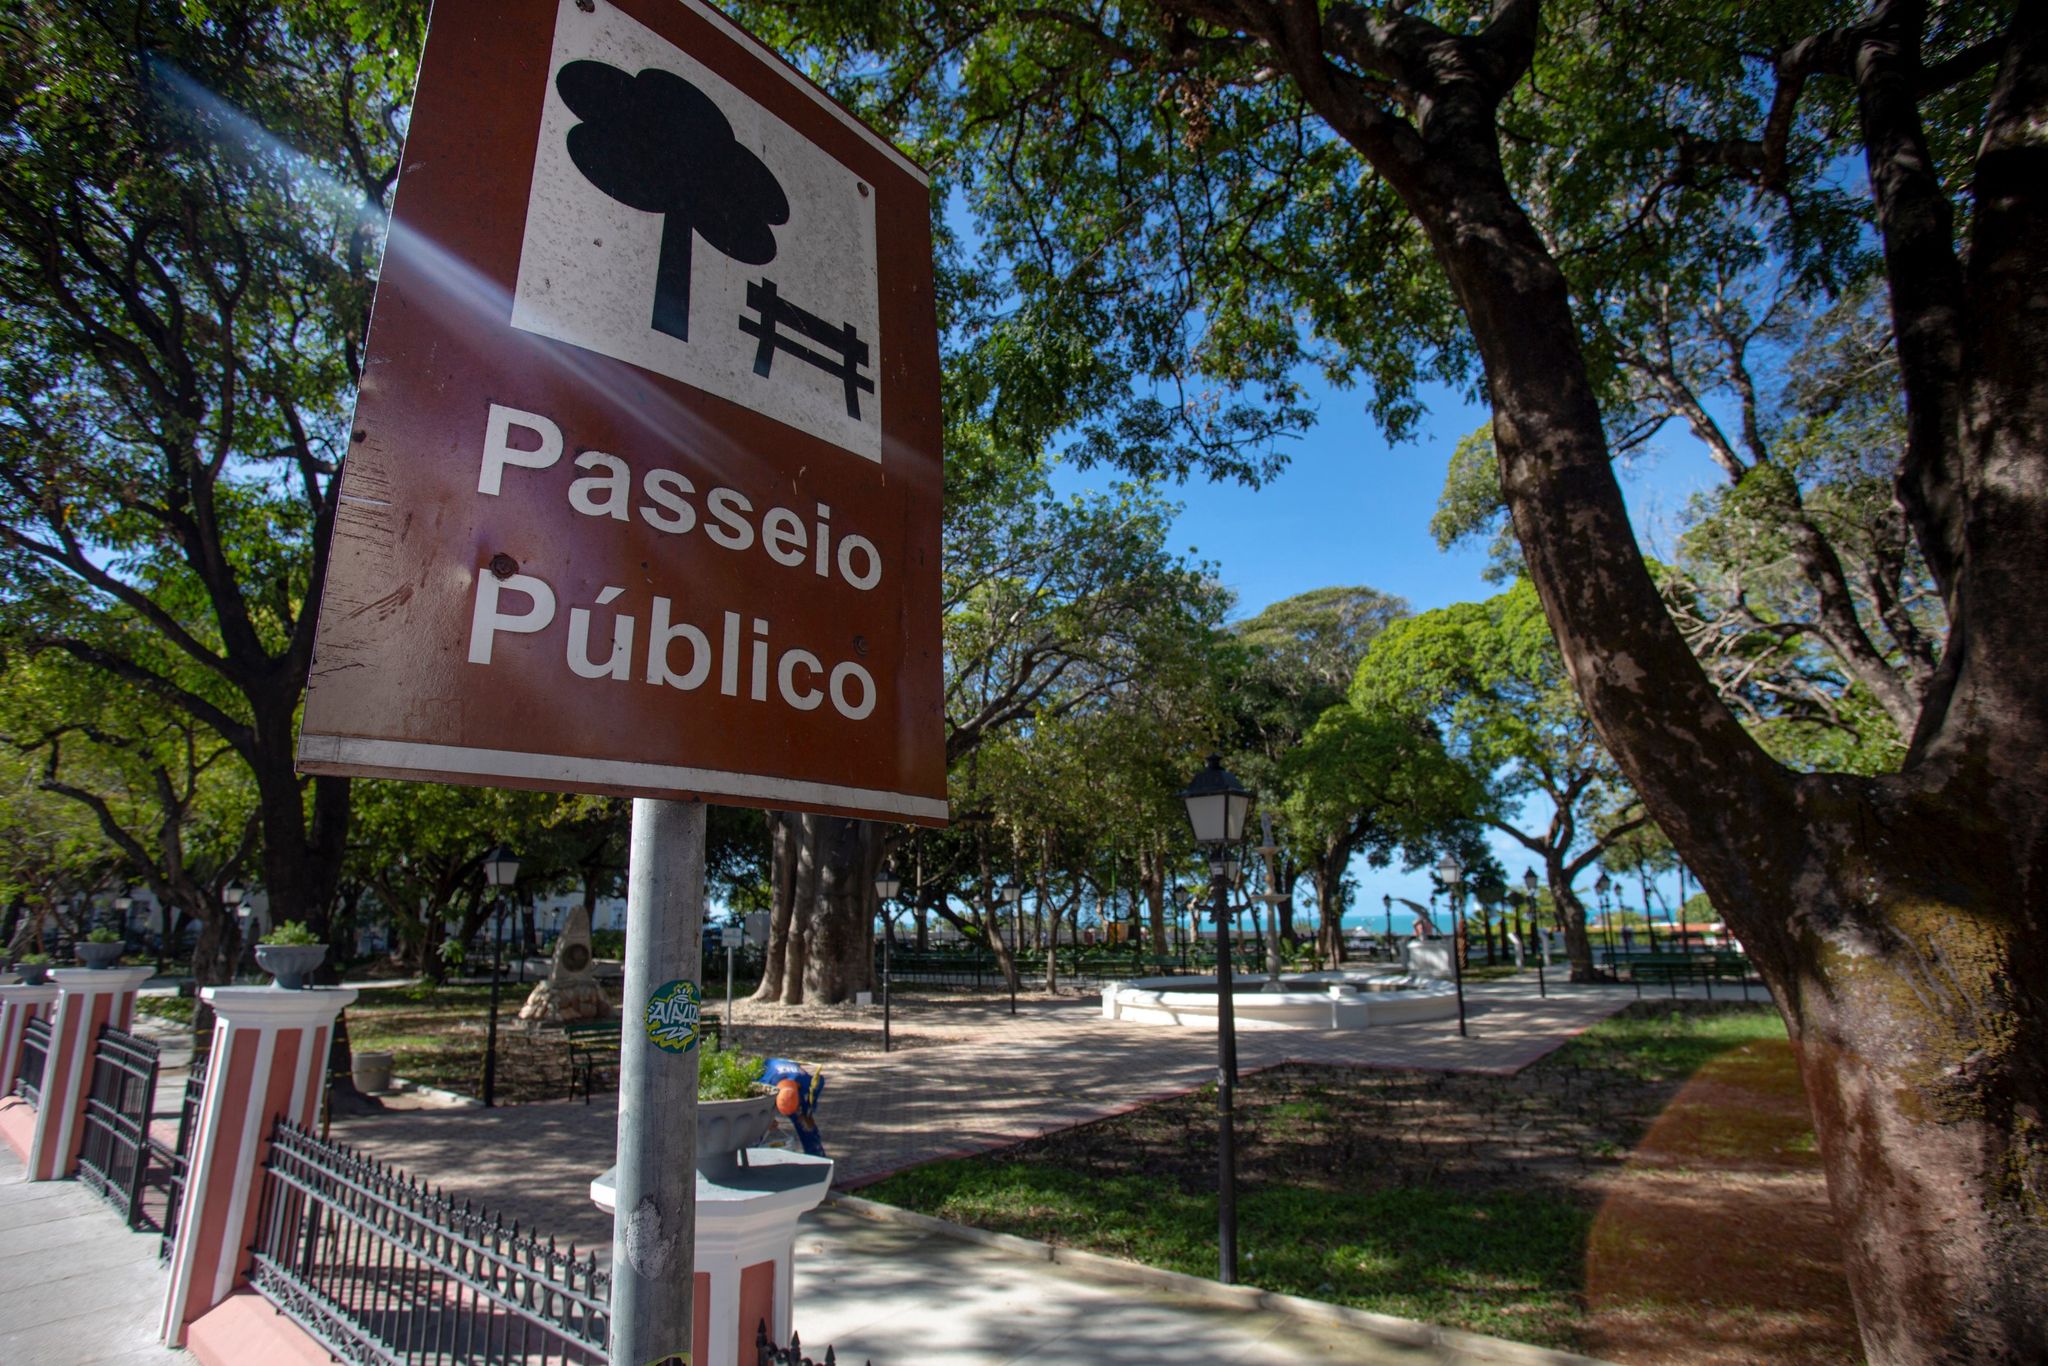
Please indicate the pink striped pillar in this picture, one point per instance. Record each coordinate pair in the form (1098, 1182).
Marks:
(19, 1005)
(269, 1062)
(87, 998)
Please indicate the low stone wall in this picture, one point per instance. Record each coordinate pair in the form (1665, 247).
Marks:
(1324, 1000)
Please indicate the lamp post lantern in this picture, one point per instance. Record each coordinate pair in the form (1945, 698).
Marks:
(887, 884)
(231, 896)
(1452, 874)
(501, 870)
(1217, 805)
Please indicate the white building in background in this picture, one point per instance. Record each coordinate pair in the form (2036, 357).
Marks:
(550, 912)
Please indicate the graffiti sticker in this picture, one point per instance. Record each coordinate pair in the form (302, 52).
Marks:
(672, 1013)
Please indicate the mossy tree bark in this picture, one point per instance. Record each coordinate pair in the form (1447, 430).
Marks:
(1901, 921)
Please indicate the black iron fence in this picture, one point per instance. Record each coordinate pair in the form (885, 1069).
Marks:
(381, 1269)
(113, 1149)
(977, 969)
(766, 1353)
(35, 1051)
(168, 1164)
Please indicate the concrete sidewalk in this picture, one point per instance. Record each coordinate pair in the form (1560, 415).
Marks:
(77, 1287)
(1052, 1066)
(898, 1296)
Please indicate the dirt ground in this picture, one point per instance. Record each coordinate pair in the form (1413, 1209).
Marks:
(439, 1041)
(1715, 1242)
(1710, 1242)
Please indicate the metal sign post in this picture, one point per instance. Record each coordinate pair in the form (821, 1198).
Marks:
(654, 1226)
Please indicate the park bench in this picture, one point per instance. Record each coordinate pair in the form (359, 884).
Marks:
(1674, 968)
(594, 1048)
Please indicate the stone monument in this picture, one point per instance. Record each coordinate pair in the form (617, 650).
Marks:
(570, 991)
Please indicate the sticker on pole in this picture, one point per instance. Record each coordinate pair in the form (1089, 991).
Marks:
(672, 1015)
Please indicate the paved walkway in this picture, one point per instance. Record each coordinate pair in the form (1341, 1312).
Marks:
(77, 1288)
(1054, 1065)
(869, 1291)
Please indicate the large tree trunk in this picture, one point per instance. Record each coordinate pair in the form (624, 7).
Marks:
(821, 925)
(1901, 922)
(1152, 880)
(1571, 918)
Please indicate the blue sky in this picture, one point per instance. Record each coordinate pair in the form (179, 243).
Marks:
(1351, 509)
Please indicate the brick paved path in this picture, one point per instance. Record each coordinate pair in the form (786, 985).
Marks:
(1056, 1064)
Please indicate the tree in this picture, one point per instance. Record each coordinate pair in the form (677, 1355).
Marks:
(1373, 784)
(162, 792)
(189, 214)
(1488, 679)
(1214, 190)
(1297, 658)
(1052, 606)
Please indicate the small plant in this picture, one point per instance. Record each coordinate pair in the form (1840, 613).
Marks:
(178, 1008)
(292, 933)
(104, 935)
(453, 955)
(728, 1076)
(33, 960)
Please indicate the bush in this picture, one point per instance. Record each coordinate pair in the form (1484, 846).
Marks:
(293, 933)
(104, 935)
(178, 1008)
(33, 960)
(728, 1076)
(607, 943)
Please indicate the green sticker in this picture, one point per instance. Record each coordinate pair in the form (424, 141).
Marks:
(672, 1016)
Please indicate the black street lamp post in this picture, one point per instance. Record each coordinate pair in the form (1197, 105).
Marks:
(1530, 884)
(231, 897)
(501, 870)
(1603, 890)
(1452, 874)
(1217, 806)
(887, 884)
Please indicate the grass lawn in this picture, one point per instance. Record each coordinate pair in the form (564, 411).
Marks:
(1500, 1205)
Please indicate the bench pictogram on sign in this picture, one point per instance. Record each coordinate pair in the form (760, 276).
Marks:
(777, 312)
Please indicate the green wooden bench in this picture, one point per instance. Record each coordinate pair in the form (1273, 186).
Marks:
(594, 1047)
(1705, 969)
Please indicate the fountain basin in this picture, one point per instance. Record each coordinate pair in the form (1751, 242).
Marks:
(1338, 999)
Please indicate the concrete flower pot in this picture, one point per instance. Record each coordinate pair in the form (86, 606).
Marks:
(290, 964)
(33, 974)
(98, 955)
(371, 1072)
(726, 1126)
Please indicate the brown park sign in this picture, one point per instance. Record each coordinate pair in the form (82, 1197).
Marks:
(643, 494)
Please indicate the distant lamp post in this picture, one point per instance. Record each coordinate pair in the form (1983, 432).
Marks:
(1387, 904)
(501, 870)
(231, 896)
(1010, 896)
(1451, 873)
(887, 885)
(1603, 890)
(1217, 805)
(1531, 885)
